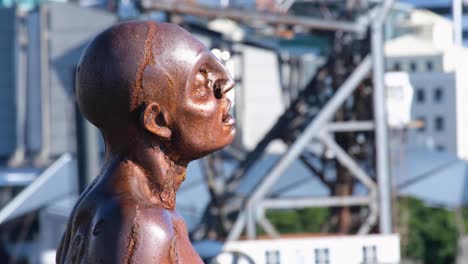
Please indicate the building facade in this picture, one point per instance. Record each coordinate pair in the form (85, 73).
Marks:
(437, 70)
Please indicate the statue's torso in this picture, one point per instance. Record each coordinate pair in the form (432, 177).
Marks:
(114, 228)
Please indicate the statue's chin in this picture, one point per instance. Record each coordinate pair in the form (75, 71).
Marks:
(194, 149)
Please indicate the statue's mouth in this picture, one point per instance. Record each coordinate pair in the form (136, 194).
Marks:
(227, 118)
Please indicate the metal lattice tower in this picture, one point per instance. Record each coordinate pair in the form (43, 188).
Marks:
(344, 99)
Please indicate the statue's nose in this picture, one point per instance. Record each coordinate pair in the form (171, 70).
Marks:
(226, 87)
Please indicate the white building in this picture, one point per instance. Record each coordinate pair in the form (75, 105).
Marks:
(445, 8)
(364, 249)
(438, 72)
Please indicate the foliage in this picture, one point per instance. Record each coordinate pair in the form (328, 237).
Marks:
(308, 220)
(428, 234)
(465, 218)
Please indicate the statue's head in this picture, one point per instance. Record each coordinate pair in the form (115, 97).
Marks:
(157, 82)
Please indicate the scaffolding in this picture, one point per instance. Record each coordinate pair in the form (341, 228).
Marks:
(356, 63)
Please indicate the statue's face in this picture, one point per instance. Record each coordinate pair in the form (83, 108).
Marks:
(193, 95)
(203, 122)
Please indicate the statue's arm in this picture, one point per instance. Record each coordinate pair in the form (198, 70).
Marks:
(130, 235)
(65, 241)
(151, 239)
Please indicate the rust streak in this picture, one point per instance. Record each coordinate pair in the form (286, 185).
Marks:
(147, 60)
(174, 255)
(133, 238)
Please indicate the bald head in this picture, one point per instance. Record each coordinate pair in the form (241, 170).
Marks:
(130, 64)
(156, 83)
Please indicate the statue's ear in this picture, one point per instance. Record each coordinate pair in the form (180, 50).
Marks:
(154, 122)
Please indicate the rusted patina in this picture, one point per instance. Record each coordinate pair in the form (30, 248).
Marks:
(159, 98)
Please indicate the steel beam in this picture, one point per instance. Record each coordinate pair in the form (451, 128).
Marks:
(348, 162)
(267, 226)
(236, 230)
(312, 129)
(380, 116)
(294, 203)
(54, 183)
(21, 62)
(44, 155)
(360, 174)
(246, 16)
(372, 217)
(87, 139)
(302, 141)
(251, 222)
(350, 126)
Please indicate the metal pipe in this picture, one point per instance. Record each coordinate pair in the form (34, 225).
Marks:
(359, 173)
(87, 151)
(380, 116)
(350, 126)
(252, 16)
(44, 154)
(311, 130)
(251, 222)
(267, 226)
(236, 230)
(18, 156)
(37, 195)
(294, 203)
(372, 217)
(348, 162)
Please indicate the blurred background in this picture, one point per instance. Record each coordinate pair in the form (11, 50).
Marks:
(352, 120)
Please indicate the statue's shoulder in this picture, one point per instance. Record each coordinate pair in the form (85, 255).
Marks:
(153, 217)
(132, 213)
(122, 230)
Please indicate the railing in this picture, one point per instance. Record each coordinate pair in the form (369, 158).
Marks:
(55, 182)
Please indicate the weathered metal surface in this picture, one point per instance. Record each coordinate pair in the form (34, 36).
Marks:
(158, 96)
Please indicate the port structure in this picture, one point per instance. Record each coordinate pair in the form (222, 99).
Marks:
(345, 98)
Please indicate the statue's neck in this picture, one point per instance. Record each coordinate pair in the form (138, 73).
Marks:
(148, 174)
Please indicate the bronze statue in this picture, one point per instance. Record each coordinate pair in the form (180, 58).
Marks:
(158, 96)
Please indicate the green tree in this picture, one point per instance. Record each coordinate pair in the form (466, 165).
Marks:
(308, 220)
(428, 234)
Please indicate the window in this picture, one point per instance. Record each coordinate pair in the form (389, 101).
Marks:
(440, 147)
(438, 95)
(439, 123)
(421, 124)
(322, 256)
(420, 95)
(413, 66)
(272, 257)
(429, 66)
(369, 254)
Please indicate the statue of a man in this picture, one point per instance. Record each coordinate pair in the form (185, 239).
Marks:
(158, 96)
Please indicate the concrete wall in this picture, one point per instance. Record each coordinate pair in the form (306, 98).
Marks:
(445, 139)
